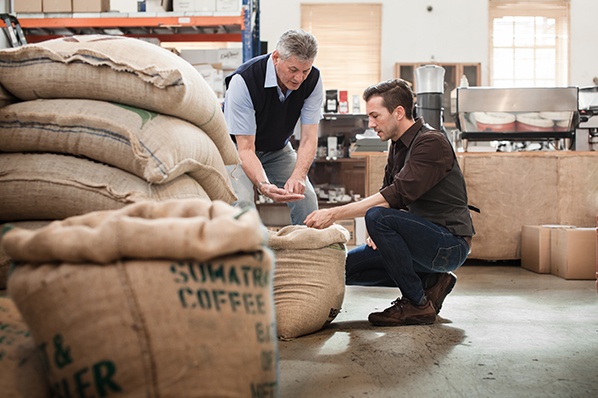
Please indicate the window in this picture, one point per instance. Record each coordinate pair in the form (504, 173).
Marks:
(529, 43)
(349, 37)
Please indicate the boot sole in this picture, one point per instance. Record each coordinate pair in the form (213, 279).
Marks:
(407, 321)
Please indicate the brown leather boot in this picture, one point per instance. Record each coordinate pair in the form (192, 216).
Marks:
(437, 293)
(404, 312)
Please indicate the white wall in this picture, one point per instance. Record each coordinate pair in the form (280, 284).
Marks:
(584, 42)
(455, 31)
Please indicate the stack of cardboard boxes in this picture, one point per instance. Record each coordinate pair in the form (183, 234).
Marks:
(49, 6)
(67, 6)
(214, 65)
(207, 5)
(562, 250)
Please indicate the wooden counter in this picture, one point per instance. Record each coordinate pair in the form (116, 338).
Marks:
(516, 189)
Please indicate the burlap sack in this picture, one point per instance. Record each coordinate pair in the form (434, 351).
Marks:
(5, 260)
(6, 98)
(53, 187)
(152, 146)
(309, 283)
(191, 326)
(22, 373)
(117, 69)
(174, 229)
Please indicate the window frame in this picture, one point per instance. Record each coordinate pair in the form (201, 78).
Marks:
(557, 10)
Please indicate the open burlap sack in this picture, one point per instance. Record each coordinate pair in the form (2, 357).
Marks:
(22, 373)
(199, 323)
(53, 187)
(117, 69)
(175, 229)
(152, 146)
(5, 260)
(309, 282)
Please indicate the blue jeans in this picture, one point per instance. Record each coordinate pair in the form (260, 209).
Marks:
(409, 250)
(279, 166)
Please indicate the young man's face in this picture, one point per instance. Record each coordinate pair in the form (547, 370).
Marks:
(291, 72)
(383, 122)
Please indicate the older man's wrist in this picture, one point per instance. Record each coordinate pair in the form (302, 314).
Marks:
(259, 186)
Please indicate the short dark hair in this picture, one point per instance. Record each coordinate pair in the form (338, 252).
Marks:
(394, 93)
(299, 43)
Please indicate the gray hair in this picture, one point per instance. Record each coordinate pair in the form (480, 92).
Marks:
(299, 43)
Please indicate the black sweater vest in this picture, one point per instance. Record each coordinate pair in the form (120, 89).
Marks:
(445, 204)
(275, 120)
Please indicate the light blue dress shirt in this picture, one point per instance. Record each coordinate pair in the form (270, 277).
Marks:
(240, 113)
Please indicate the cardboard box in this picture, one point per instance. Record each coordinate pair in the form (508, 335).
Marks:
(91, 5)
(197, 57)
(230, 58)
(194, 5)
(349, 225)
(535, 247)
(205, 5)
(24, 6)
(183, 5)
(573, 253)
(57, 6)
(228, 5)
(213, 75)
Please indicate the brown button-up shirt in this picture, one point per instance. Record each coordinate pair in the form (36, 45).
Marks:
(431, 160)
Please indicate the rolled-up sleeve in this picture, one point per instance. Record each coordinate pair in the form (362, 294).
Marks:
(431, 160)
(239, 112)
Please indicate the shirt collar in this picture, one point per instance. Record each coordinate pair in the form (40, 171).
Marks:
(272, 81)
(270, 74)
(409, 135)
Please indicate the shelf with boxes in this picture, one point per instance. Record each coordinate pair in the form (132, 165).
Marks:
(230, 21)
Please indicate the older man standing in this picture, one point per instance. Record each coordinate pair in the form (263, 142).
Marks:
(265, 98)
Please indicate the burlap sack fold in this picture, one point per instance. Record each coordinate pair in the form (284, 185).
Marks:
(22, 373)
(5, 260)
(117, 69)
(53, 187)
(309, 282)
(6, 98)
(175, 229)
(155, 147)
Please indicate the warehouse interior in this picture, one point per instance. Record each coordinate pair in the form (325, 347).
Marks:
(522, 117)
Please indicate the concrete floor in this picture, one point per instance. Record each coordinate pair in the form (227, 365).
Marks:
(503, 332)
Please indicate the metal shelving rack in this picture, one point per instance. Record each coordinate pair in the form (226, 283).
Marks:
(164, 26)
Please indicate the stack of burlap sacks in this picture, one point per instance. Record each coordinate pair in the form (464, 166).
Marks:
(157, 299)
(98, 122)
(148, 283)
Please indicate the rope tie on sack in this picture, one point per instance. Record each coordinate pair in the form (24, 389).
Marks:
(232, 173)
